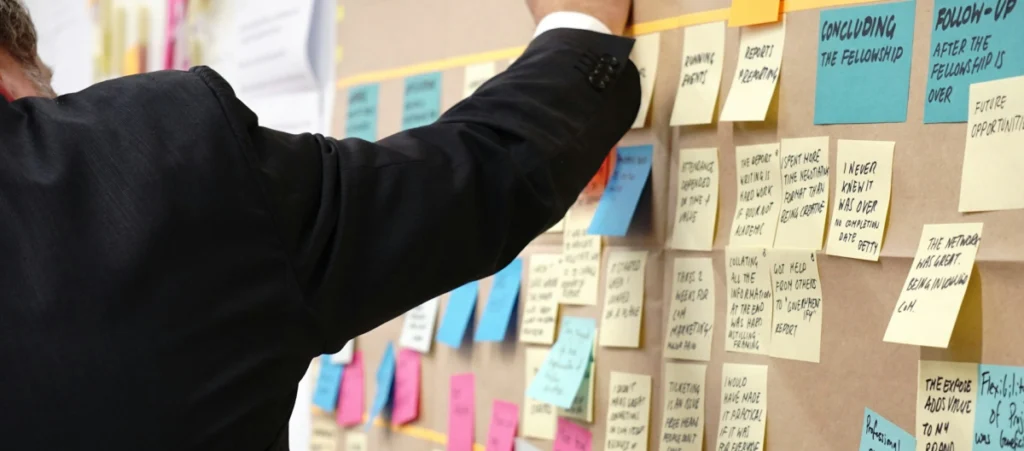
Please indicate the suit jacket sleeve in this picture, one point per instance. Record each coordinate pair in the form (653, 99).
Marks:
(374, 229)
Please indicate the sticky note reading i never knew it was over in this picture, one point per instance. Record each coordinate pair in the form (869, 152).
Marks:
(501, 433)
(581, 256)
(744, 406)
(749, 308)
(461, 306)
(804, 171)
(700, 75)
(759, 196)
(422, 104)
(997, 419)
(930, 301)
(325, 395)
(352, 396)
(560, 376)
(476, 75)
(645, 57)
(461, 401)
(629, 412)
(541, 310)
(992, 156)
(407, 387)
(757, 72)
(863, 186)
(418, 327)
(693, 227)
(623, 299)
(538, 416)
(878, 433)
(683, 417)
(501, 303)
(618, 203)
(946, 405)
(796, 320)
(691, 316)
(385, 382)
(361, 118)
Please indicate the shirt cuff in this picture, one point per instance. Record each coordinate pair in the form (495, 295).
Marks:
(569, 19)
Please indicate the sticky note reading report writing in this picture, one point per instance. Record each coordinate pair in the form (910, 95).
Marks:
(992, 155)
(863, 186)
(385, 382)
(757, 72)
(461, 305)
(693, 227)
(878, 434)
(581, 256)
(407, 387)
(759, 196)
(744, 406)
(930, 301)
(572, 437)
(946, 401)
(691, 315)
(325, 395)
(623, 299)
(502, 431)
(618, 203)
(461, 400)
(629, 412)
(418, 327)
(796, 320)
(559, 377)
(541, 309)
(361, 118)
(352, 396)
(645, 57)
(422, 100)
(997, 420)
(700, 75)
(683, 416)
(476, 75)
(804, 193)
(749, 314)
(501, 303)
(538, 416)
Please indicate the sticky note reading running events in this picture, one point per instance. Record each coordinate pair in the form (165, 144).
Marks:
(700, 75)
(759, 196)
(757, 72)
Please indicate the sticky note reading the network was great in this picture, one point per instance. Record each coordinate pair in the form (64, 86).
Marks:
(407, 387)
(693, 227)
(572, 437)
(618, 203)
(461, 305)
(757, 72)
(623, 299)
(744, 406)
(352, 397)
(538, 416)
(759, 196)
(691, 312)
(581, 256)
(863, 185)
(804, 193)
(946, 405)
(992, 155)
(361, 118)
(930, 301)
(501, 303)
(971, 43)
(700, 75)
(749, 312)
(997, 417)
(796, 320)
(629, 412)
(501, 433)
(683, 414)
(476, 75)
(541, 310)
(324, 436)
(325, 396)
(878, 433)
(385, 382)
(864, 58)
(560, 376)
(461, 401)
(645, 57)
(753, 12)
(422, 104)
(418, 327)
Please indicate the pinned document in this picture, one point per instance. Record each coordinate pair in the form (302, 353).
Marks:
(757, 72)
(422, 104)
(645, 57)
(618, 203)
(700, 74)
(385, 383)
(501, 303)
(560, 376)
(461, 306)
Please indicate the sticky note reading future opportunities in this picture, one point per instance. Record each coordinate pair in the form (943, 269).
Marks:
(757, 72)
(645, 57)
(361, 118)
(796, 320)
(700, 75)
(541, 309)
(804, 171)
(930, 301)
(744, 406)
(753, 12)
(864, 58)
(863, 186)
(407, 387)
(325, 395)
(749, 310)
(629, 412)
(618, 203)
(693, 227)
(501, 303)
(878, 433)
(559, 377)
(476, 75)
(572, 437)
(691, 315)
(683, 415)
(501, 432)
(461, 401)
(946, 405)
(352, 396)
(422, 104)
(418, 327)
(997, 417)
(971, 43)
(461, 305)
(992, 154)
(623, 299)
(759, 196)
(538, 416)
(385, 382)
(581, 256)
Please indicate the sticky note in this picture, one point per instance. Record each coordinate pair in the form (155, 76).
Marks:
(753, 12)
(502, 431)
(572, 437)
(581, 256)
(629, 412)
(538, 416)
(645, 57)
(582, 408)
(325, 395)
(683, 415)
(796, 319)
(749, 308)
(476, 75)
(998, 416)
(344, 356)
(930, 301)
(878, 433)
(623, 299)
(407, 387)
(541, 310)
(700, 74)
(618, 203)
(971, 43)
(324, 436)
(757, 72)
(805, 183)
(523, 445)
(418, 327)
(759, 196)
(352, 397)
(946, 405)
(422, 104)
(863, 186)
(744, 406)
(361, 118)
(355, 441)
(559, 377)
(693, 227)
(385, 383)
(691, 312)
(461, 401)
(461, 305)
(501, 303)
(599, 181)
(992, 156)
(864, 56)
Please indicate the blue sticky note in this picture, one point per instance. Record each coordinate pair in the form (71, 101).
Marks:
(500, 304)
(325, 396)
(461, 305)
(361, 120)
(971, 42)
(385, 382)
(879, 434)
(1000, 408)
(422, 104)
(618, 203)
(562, 372)
(864, 58)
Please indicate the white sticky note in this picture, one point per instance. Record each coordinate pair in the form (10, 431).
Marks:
(344, 356)
(757, 72)
(476, 75)
(418, 327)
(700, 74)
(645, 57)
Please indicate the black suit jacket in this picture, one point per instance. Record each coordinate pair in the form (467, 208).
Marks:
(168, 267)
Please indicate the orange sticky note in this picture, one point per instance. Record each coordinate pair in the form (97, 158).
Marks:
(407, 387)
(753, 12)
(597, 183)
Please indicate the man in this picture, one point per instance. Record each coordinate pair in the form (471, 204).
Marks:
(169, 267)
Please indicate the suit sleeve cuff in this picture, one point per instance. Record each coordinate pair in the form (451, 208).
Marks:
(570, 19)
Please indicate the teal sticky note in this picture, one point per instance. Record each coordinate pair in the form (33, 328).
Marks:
(461, 305)
(325, 395)
(562, 372)
(422, 105)
(879, 434)
(971, 42)
(618, 202)
(385, 383)
(999, 415)
(361, 120)
(501, 303)
(864, 58)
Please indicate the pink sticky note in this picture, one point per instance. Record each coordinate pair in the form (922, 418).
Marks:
(571, 436)
(351, 395)
(407, 387)
(461, 397)
(502, 432)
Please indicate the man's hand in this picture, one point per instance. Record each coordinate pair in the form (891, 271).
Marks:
(613, 13)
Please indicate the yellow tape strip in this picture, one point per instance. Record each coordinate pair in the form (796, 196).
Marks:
(418, 432)
(430, 66)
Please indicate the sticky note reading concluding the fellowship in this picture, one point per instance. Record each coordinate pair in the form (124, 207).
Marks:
(581, 256)
(385, 382)
(560, 376)
(352, 396)
(796, 321)
(749, 314)
(753, 12)
(971, 43)
(645, 57)
(422, 100)
(572, 437)
(541, 309)
(461, 401)
(618, 203)
(325, 395)
(946, 401)
(623, 299)
(744, 406)
(930, 301)
(418, 327)
(696, 200)
(864, 58)
(461, 305)
(691, 316)
(324, 436)
(538, 416)
(992, 155)
(407, 387)
(629, 412)
(502, 431)
(501, 303)
(804, 193)
(700, 75)
(759, 196)
(757, 72)
(476, 75)
(361, 120)
(683, 428)
(863, 186)
(997, 420)
(879, 434)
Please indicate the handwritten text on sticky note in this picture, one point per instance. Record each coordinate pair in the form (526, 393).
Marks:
(749, 314)
(683, 416)
(863, 186)
(691, 315)
(696, 200)
(946, 405)
(700, 75)
(540, 311)
(759, 196)
(560, 376)
(796, 320)
(804, 193)
(744, 406)
(623, 299)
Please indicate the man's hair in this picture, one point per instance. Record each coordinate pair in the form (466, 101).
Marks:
(18, 38)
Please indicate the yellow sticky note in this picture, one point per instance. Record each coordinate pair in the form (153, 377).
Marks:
(757, 72)
(581, 257)
(696, 200)
(759, 196)
(325, 434)
(538, 417)
(930, 301)
(582, 408)
(744, 406)
(700, 74)
(753, 12)
(992, 154)
(804, 167)
(623, 299)
(946, 405)
(683, 427)
(629, 411)
(749, 310)
(796, 320)
(476, 75)
(645, 57)
(691, 313)
(355, 441)
(863, 186)
(540, 312)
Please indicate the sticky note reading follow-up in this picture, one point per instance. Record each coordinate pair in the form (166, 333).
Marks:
(757, 72)
(560, 376)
